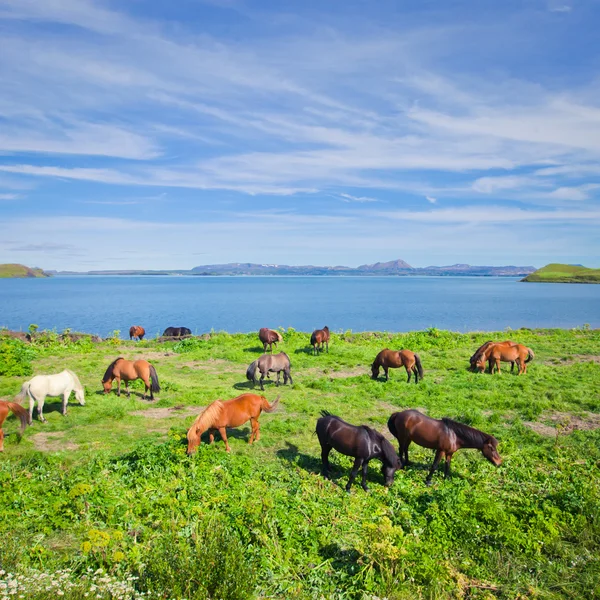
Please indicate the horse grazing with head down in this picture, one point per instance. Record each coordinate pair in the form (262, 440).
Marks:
(362, 442)
(128, 370)
(477, 355)
(393, 359)
(505, 352)
(135, 331)
(18, 410)
(268, 337)
(445, 436)
(229, 413)
(177, 332)
(270, 363)
(318, 338)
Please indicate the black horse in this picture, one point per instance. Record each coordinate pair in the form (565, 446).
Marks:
(361, 442)
(176, 332)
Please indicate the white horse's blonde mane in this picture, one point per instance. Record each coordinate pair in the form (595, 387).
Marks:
(78, 385)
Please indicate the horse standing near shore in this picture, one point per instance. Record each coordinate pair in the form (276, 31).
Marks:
(18, 411)
(137, 331)
(393, 359)
(61, 384)
(445, 436)
(268, 337)
(318, 338)
(177, 332)
(502, 352)
(128, 370)
(229, 413)
(274, 363)
(362, 442)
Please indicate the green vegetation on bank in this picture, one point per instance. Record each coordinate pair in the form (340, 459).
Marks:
(558, 273)
(110, 487)
(20, 271)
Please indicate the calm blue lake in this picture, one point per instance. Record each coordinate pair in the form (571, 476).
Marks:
(241, 304)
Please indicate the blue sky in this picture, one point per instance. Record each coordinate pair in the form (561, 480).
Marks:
(151, 134)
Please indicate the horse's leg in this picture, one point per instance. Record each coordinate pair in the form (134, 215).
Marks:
(447, 474)
(289, 376)
(386, 371)
(277, 384)
(363, 483)
(357, 464)
(31, 407)
(262, 378)
(66, 395)
(416, 372)
(255, 430)
(118, 386)
(127, 388)
(408, 372)
(211, 436)
(512, 366)
(224, 437)
(434, 466)
(1, 439)
(327, 346)
(498, 366)
(148, 387)
(41, 409)
(403, 450)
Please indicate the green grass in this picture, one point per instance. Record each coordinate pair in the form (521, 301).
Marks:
(21, 271)
(114, 489)
(558, 273)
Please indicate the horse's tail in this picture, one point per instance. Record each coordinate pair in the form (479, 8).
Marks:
(20, 412)
(269, 407)
(279, 336)
(419, 365)
(24, 391)
(392, 426)
(313, 338)
(530, 355)
(154, 379)
(251, 371)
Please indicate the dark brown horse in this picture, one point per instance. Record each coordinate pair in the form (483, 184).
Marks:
(505, 352)
(18, 410)
(230, 413)
(393, 359)
(445, 436)
(318, 338)
(362, 442)
(137, 331)
(128, 370)
(475, 358)
(270, 363)
(268, 337)
(177, 332)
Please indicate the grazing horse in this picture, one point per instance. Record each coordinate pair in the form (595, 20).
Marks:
(475, 358)
(128, 370)
(393, 359)
(137, 331)
(495, 353)
(445, 436)
(269, 337)
(362, 442)
(318, 338)
(61, 384)
(274, 363)
(229, 413)
(18, 410)
(177, 332)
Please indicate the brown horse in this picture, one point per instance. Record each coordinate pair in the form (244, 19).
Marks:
(475, 358)
(269, 337)
(128, 370)
(445, 436)
(137, 331)
(270, 363)
(318, 338)
(18, 410)
(393, 359)
(503, 352)
(229, 413)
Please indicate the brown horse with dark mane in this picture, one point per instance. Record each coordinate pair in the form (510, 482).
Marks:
(477, 355)
(505, 352)
(18, 410)
(128, 370)
(393, 359)
(445, 436)
(268, 337)
(270, 363)
(229, 413)
(318, 338)
(135, 331)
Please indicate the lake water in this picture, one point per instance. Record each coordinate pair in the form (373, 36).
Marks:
(241, 304)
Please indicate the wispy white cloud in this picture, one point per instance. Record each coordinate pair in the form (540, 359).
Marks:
(10, 196)
(431, 199)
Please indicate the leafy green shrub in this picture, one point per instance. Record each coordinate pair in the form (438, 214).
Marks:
(15, 357)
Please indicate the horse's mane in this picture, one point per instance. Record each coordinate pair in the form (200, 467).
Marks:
(480, 351)
(466, 433)
(78, 385)
(279, 337)
(208, 416)
(388, 451)
(109, 371)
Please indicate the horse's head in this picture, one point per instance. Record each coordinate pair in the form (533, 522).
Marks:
(374, 370)
(391, 462)
(490, 451)
(479, 363)
(193, 438)
(107, 385)
(80, 395)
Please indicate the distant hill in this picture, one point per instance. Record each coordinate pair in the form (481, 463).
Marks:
(21, 271)
(559, 273)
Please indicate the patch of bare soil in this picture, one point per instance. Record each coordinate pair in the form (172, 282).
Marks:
(52, 442)
(574, 359)
(165, 413)
(564, 423)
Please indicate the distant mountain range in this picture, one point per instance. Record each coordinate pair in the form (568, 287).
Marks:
(394, 267)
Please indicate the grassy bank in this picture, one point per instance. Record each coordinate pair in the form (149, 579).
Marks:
(20, 271)
(559, 273)
(110, 487)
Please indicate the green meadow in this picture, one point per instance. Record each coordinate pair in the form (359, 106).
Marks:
(106, 502)
(559, 273)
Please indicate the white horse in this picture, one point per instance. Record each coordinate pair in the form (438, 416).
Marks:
(61, 384)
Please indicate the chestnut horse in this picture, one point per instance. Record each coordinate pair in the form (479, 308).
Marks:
(495, 353)
(137, 331)
(18, 410)
(229, 413)
(318, 338)
(269, 337)
(393, 359)
(445, 436)
(128, 370)
(473, 360)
